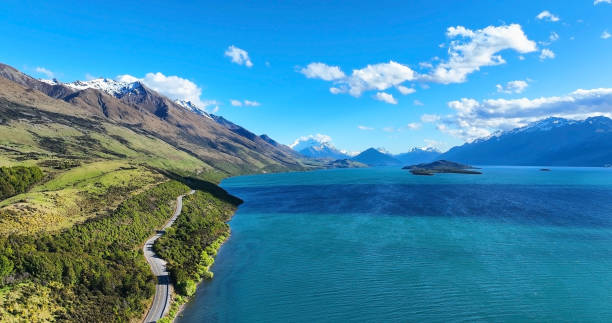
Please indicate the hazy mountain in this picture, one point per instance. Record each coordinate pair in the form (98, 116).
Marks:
(375, 157)
(418, 156)
(225, 148)
(317, 147)
(552, 141)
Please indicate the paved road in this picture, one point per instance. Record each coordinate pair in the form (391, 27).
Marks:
(163, 289)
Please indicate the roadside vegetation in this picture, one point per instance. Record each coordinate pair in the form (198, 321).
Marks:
(91, 272)
(190, 245)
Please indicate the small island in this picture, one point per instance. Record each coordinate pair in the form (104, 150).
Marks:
(441, 166)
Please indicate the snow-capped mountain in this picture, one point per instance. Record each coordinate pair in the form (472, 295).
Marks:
(317, 146)
(551, 141)
(120, 89)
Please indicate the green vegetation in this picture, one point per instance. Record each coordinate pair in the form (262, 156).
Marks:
(93, 272)
(18, 179)
(191, 244)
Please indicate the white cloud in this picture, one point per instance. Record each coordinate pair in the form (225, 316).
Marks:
(378, 77)
(477, 48)
(596, 2)
(365, 128)
(174, 87)
(546, 15)
(385, 97)
(430, 118)
(605, 35)
(45, 72)
(517, 86)
(372, 77)
(249, 103)
(320, 138)
(418, 103)
(414, 126)
(238, 56)
(546, 54)
(405, 90)
(322, 71)
(388, 129)
(474, 119)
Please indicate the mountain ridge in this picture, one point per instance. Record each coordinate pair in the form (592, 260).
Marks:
(549, 142)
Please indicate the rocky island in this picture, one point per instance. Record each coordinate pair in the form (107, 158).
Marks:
(441, 166)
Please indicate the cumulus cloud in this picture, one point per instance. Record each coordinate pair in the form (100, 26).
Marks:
(474, 119)
(547, 54)
(605, 35)
(473, 49)
(405, 90)
(596, 2)
(322, 71)
(517, 86)
(379, 77)
(547, 16)
(385, 97)
(414, 126)
(430, 118)
(45, 72)
(365, 128)
(238, 56)
(174, 87)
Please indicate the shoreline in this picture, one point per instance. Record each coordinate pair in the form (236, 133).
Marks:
(183, 300)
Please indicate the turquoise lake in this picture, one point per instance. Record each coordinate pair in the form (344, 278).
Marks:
(382, 245)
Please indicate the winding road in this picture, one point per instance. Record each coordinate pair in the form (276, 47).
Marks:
(163, 289)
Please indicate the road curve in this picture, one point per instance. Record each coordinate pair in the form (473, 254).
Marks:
(163, 289)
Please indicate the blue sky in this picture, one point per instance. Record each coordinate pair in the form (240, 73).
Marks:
(452, 55)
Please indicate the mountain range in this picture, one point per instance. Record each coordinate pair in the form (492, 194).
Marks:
(549, 142)
(223, 147)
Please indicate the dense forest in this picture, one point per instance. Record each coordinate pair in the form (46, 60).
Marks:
(92, 272)
(18, 179)
(190, 245)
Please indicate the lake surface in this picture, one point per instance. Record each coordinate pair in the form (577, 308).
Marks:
(381, 245)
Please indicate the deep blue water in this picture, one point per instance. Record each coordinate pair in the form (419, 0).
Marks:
(381, 245)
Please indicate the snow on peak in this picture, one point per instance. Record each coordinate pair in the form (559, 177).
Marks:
(192, 107)
(115, 88)
(50, 82)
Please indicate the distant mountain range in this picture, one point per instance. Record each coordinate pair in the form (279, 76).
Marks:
(549, 142)
(375, 157)
(418, 156)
